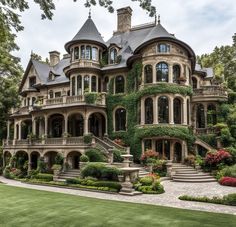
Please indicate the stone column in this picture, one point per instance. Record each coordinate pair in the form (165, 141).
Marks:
(82, 89)
(33, 125)
(171, 112)
(85, 125)
(15, 130)
(172, 150)
(205, 114)
(8, 129)
(46, 126)
(170, 77)
(184, 112)
(19, 127)
(29, 162)
(66, 123)
(142, 112)
(155, 111)
(154, 74)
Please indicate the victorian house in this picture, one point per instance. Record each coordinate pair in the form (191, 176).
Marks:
(142, 87)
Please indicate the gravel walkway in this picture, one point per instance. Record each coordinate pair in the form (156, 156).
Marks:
(169, 198)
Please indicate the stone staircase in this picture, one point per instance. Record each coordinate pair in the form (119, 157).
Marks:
(183, 173)
(72, 173)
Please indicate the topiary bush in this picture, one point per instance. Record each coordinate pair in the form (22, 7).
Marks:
(146, 181)
(117, 156)
(95, 155)
(84, 158)
(88, 138)
(44, 177)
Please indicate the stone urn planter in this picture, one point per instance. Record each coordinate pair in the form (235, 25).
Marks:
(56, 171)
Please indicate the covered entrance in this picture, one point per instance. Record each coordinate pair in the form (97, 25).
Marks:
(73, 159)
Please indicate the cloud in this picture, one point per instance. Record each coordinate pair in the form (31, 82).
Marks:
(203, 24)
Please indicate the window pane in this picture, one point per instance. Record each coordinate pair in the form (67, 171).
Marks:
(147, 144)
(94, 83)
(113, 56)
(120, 119)
(162, 72)
(148, 111)
(83, 52)
(95, 53)
(88, 52)
(163, 110)
(86, 83)
(148, 74)
(76, 53)
(177, 111)
(120, 84)
(176, 74)
(73, 86)
(163, 48)
(200, 116)
(79, 85)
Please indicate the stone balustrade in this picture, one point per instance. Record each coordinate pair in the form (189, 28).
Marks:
(210, 90)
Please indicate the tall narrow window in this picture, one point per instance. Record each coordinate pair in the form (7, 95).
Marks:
(86, 83)
(200, 116)
(94, 84)
(32, 81)
(149, 111)
(119, 84)
(211, 115)
(162, 72)
(95, 53)
(51, 94)
(76, 52)
(163, 48)
(148, 74)
(88, 52)
(113, 55)
(188, 112)
(120, 119)
(79, 85)
(177, 111)
(194, 83)
(176, 74)
(163, 109)
(73, 85)
(82, 52)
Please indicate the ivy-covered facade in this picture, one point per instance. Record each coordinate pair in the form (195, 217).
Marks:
(142, 88)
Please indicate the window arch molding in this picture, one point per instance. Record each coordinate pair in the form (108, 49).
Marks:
(119, 119)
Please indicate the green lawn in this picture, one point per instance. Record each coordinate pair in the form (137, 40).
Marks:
(26, 207)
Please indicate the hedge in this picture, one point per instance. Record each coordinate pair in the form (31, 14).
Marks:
(44, 177)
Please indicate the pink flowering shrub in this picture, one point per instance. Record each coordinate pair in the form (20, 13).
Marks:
(149, 154)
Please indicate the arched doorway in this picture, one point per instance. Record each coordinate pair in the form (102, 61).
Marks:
(56, 125)
(73, 159)
(50, 158)
(177, 152)
(97, 124)
(76, 125)
(21, 160)
(34, 159)
(163, 148)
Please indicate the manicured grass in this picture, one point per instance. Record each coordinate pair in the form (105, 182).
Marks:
(26, 207)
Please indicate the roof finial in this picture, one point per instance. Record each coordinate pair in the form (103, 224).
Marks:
(159, 19)
(89, 13)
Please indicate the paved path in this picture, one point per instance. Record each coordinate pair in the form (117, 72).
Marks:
(169, 198)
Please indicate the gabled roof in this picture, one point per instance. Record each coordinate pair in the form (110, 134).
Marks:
(208, 72)
(88, 32)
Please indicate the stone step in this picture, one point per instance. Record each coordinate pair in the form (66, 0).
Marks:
(66, 177)
(70, 175)
(188, 172)
(192, 177)
(191, 174)
(195, 180)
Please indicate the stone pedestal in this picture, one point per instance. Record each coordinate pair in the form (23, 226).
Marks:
(169, 168)
(126, 162)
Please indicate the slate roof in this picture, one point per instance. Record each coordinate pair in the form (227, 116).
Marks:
(88, 32)
(208, 71)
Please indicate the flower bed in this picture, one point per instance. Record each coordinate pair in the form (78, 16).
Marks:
(228, 181)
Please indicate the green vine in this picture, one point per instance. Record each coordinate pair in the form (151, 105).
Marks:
(90, 98)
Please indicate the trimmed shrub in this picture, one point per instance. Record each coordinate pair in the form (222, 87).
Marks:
(41, 165)
(56, 167)
(44, 177)
(117, 156)
(6, 172)
(100, 171)
(59, 159)
(73, 181)
(84, 158)
(228, 181)
(228, 171)
(88, 138)
(95, 155)
(230, 199)
(146, 181)
(108, 184)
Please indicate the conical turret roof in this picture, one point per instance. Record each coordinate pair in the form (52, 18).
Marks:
(88, 32)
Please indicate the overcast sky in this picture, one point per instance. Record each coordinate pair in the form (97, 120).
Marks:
(203, 24)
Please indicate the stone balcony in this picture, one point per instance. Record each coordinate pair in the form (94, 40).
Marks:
(64, 101)
(204, 131)
(209, 93)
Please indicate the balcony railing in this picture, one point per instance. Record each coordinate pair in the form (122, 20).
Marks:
(210, 130)
(210, 91)
(46, 141)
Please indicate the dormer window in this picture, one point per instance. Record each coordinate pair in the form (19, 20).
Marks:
(32, 81)
(163, 48)
(113, 55)
(51, 77)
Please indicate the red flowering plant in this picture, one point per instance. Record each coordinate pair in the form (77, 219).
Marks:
(214, 159)
(149, 154)
(228, 181)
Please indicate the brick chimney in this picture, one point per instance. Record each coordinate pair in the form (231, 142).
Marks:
(54, 57)
(124, 19)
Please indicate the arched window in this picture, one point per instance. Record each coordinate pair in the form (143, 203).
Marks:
(176, 74)
(163, 48)
(120, 84)
(120, 119)
(95, 53)
(148, 74)
(200, 116)
(177, 111)
(113, 56)
(94, 84)
(149, 111)
(194, 82)
(79, 85)
(163, 109)
(211, 115)
(82, 52)
(86, 83)
(88, 52)
(162, 72)
(76, 53)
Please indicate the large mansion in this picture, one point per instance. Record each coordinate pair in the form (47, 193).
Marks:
(142, 89)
